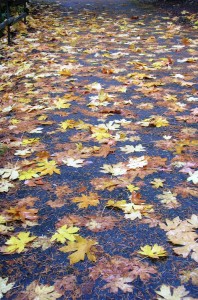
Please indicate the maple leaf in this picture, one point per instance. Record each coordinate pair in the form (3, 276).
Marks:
(67, 283)
(98, 224)
(30, 141)
(64, 233)
(110, 126)
(103, 151)
(138, 162)
(187, 275)
(61, 103)
(193, 177)
(117, 204)
(100, 133)
(132, 188)
(157, 121)
(121, 283)
(73, 162)
(85, 200)
(94, 86)
(112, 268)
(67, 124)
(3, 228)
(168, 293)
(182, 233)
(30, 173)
(4, 286)
(157, 182)
(42, 241)
(155, 251)
(18, 243)
(102, 96)
(171, 224)
(23, 213)
(169, 199)
(23, 152)
(5, 185)
(116, 170)
(11, 174)
(47, 167)
(130, 149)
(65, 72)
(133, 215)
(41, 292)
(81, 247)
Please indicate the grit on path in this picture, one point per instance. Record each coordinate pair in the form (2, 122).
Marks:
(98, 170)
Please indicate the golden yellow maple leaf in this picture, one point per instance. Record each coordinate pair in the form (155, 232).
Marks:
(47, 167)
(160, 121)
(65, 72)
(117, 204)
(30, 141)
(67, 124)
(85, 200)
(18, 243)
(64, 233)
(102, 96)
(61, 103)
(155, 251)
(100, 133)
(132, 188)
(81, 247)
(30, 173)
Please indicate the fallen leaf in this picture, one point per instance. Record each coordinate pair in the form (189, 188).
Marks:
(17, 244)
(4, 286)
(81, 247)
(64, 233)
(84, 201)
(155, 251)
(168, 293)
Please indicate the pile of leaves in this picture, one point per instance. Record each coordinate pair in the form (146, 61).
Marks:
(98, 170)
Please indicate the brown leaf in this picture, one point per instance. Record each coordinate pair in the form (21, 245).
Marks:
(23, 213)
(104, 151)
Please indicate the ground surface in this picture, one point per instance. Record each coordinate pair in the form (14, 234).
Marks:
(98, 140)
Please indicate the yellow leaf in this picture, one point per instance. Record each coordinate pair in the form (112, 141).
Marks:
(30, 141)
(85, 200)
(18, 243)
(117, 204)
(100, 133)
(61, 103)
(14, 121)
(65, 72)
(47, 167)
(102, 96)
(30, 173)
(80, 247)
(67, 124)
(155, 251)
(160, 121)
(42, 117)
(132, 188)
(64, 233)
